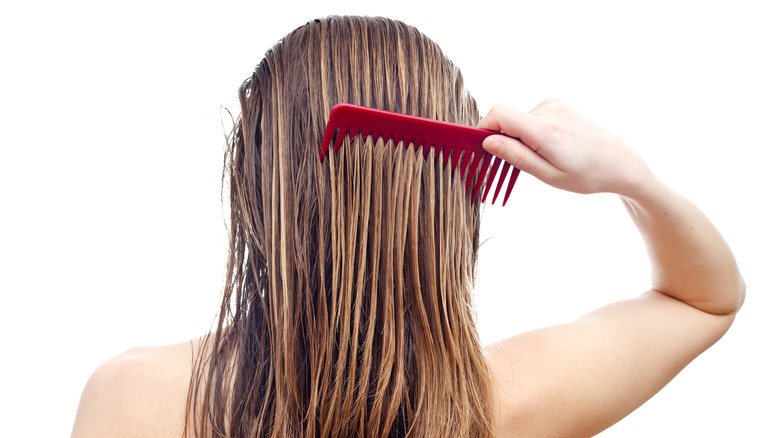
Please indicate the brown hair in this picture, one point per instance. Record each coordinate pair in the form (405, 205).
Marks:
(346, 309)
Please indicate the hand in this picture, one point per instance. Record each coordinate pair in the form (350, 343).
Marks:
(565, 149)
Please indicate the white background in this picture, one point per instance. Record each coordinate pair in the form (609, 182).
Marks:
(111, 148)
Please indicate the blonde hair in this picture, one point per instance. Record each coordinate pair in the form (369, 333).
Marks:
(346, 309)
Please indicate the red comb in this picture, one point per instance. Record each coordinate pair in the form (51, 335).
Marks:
(441, 137)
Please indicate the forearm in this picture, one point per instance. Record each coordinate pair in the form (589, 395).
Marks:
(690, 260)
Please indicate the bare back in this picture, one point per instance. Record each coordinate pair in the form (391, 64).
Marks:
(591, 372)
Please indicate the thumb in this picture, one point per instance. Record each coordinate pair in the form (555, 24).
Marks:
(494, 145)
(520, 156)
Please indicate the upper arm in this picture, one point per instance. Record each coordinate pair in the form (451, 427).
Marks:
(579, 378)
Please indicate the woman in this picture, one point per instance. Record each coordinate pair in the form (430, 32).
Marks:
(346, 310)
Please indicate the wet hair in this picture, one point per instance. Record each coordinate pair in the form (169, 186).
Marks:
(347, 304)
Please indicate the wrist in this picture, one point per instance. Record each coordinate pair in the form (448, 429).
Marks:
(644, 192)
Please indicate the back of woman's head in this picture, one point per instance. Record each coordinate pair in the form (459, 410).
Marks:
(346, 310)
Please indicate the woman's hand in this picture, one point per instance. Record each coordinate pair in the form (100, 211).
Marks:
(565, 149)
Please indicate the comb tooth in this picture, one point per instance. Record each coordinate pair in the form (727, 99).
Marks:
(330, 129)
(461, 161)
(481, 176)
(426, 149)
(512, 179)
(445, 152)
(447, 158)
(339, 139)
(504, 168)
(472, 168)
(491, 177)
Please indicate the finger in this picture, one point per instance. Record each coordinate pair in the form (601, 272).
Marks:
(521, 156)
(513, 123)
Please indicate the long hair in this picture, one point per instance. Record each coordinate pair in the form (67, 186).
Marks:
(346, 309)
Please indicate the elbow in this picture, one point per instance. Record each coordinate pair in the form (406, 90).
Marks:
(727, 301)
(734, 304)
(733, 294)
(741, 293)
(739, 300)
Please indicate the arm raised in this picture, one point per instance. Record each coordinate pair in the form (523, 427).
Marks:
(579, 378)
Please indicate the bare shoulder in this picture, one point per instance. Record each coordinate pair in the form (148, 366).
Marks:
(141, 392)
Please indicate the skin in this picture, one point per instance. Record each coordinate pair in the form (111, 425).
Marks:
(614, 358)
